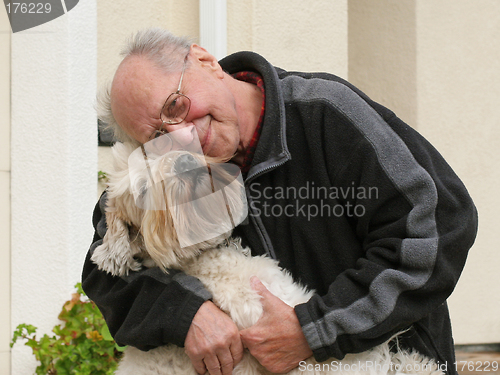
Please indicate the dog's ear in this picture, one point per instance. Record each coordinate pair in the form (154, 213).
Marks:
(116, 254)
(121, 152)
(160, 239)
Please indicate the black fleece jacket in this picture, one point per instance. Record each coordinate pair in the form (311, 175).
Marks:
(352, 201)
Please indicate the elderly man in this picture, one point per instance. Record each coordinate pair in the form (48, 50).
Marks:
(351, 200)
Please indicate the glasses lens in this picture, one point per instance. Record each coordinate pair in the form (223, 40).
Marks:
(175, 109)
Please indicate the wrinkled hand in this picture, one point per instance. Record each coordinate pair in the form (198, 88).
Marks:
(276, 340)
(213, 342)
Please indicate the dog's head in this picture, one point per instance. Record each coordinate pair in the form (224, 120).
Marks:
(180, 202)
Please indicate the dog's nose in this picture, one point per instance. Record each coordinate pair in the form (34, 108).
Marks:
(185, 163)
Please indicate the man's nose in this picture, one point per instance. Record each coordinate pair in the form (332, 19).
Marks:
(173, 127)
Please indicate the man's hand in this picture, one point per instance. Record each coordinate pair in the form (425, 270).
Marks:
(213, 342)
(276, 340)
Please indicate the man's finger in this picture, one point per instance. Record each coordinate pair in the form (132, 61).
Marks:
(226, 363)
(237, 352)
(213, 342)
(227, 369)
(199, 366)
(268, 300)
(213, 366)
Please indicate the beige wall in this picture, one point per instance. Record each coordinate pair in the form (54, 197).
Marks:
(382, 53)
(458, 63)
(437, 65)
(117, 20)
(290, 34)
(5, 328)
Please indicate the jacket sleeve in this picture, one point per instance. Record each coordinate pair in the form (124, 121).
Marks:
(145, 309)
(415, 236)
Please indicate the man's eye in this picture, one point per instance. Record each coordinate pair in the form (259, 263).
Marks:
(173, 107)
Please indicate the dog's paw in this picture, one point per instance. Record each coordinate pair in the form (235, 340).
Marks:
(118, 260)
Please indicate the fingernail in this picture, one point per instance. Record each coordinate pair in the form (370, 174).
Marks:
(254, 281)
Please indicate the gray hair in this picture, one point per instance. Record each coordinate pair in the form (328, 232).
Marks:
(160, 46)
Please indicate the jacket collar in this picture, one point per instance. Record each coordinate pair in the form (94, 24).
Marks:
(272, 150)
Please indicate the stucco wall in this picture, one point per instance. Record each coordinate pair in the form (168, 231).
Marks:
(118, 20)
(291, 35)
(4, 193)
(382, 53)
(54, 158)
(437, 65)
(458, 60)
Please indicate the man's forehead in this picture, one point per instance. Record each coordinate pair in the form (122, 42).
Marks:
(133, 93)
(136, 67)
(138, 79)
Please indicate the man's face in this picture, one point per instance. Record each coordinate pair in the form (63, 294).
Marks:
(140, 89)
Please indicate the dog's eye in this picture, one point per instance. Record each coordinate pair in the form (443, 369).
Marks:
(141, 187)
(143, 190)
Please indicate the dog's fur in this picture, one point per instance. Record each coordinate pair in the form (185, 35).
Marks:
(138, 237)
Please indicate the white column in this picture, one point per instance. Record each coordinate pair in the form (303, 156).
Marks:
(54, 173)
(213, 27)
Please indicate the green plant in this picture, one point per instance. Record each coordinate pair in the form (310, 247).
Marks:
(102, 176)
(82, 344)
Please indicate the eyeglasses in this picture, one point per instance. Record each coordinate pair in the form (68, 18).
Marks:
(175, 109)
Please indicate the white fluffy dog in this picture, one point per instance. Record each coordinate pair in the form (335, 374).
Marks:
(150, 236)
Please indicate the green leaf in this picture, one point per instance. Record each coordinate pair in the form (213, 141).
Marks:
(82, 344)
(106, 334)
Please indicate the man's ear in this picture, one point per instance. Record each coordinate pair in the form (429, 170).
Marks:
(206, 59)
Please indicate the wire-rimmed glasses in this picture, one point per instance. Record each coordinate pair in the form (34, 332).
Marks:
(176, 107)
